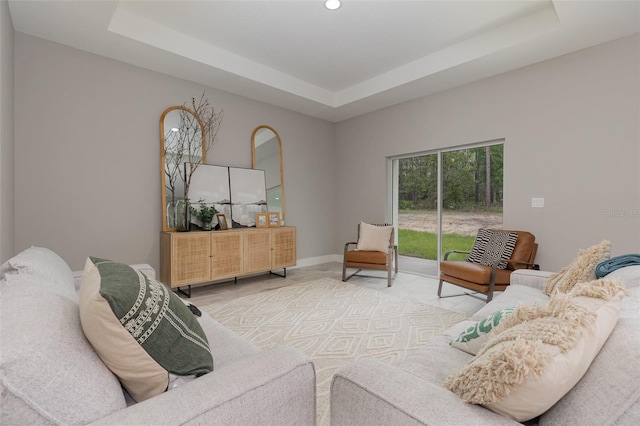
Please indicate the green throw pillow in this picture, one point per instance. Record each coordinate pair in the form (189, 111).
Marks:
(140, 329)
(476, 335)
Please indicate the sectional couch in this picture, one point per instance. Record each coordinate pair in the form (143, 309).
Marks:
(50, 374)
(370, 392)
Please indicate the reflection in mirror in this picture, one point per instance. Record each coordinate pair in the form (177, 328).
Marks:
(211, 185)
(182, 144)
(266, 150)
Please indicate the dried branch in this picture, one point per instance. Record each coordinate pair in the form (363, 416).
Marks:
(191, 134)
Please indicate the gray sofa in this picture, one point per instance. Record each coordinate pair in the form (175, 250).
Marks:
(51, 375)
(370, 392)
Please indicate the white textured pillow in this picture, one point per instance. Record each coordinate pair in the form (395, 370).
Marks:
(539, 353)
(42, 262)
(373, 237)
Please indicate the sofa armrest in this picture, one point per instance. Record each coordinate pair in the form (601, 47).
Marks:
(273, 387)
(143, 267)
(530, 278)
(370, 392)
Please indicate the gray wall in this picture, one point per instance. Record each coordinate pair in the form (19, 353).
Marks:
(87, 171)
(87, 149)
(6, 134)
(572, 136)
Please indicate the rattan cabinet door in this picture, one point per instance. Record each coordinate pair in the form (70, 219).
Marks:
(226, 254)
(190, 258)
(284, 247)
(257, 250)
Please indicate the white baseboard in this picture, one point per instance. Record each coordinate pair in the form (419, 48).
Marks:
(311, 261)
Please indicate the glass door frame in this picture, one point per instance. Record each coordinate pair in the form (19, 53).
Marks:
(393, 176)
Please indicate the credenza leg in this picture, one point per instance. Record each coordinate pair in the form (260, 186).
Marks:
(180, 290)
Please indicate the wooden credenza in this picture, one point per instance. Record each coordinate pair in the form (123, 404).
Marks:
(197, 257)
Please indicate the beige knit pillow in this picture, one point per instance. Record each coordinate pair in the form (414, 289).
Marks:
(582, 268)
(374, 237)
(537, 354)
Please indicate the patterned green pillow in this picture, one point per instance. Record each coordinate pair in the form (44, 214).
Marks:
(140, 329)
(476, 335)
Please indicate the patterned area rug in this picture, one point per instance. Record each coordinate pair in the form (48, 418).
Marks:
(333, 323)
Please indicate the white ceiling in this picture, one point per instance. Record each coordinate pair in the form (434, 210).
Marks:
(333, 65)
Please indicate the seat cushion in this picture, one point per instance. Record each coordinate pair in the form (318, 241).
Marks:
(371, 257)
(473, 272)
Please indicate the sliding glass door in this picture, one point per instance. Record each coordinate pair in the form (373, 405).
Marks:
(441, 199)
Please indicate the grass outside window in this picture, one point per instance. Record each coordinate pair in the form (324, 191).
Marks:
(424, 245)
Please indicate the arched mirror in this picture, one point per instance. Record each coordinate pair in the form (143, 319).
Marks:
(266, 153)
(182, 143)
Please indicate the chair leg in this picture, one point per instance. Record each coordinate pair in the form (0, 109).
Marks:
(389, 275)
(396, 256)
(440, 288)
(344, 270)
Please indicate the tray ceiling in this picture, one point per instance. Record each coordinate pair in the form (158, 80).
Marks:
(334, 65)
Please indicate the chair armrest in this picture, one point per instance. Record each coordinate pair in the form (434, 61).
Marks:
(446, 255)
(142, 267)
(346, 246)
(370, 392)
(273, 387)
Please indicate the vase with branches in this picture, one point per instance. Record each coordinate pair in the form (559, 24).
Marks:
(197, 130)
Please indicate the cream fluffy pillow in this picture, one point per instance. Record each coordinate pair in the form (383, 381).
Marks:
(537, 354)
(582, 268)
(373, 237)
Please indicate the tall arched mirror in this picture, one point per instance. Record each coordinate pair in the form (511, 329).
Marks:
(182, 141)
(266, 152)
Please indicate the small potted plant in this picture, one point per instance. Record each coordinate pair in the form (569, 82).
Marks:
(204, 214)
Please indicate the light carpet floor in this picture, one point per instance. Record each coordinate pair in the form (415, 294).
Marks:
(333, 323)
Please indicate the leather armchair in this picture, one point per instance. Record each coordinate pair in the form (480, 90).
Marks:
(364, 259)
(488, 279)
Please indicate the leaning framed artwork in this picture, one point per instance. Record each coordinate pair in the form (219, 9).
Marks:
(262, 220)
(222, 222)
(274, 219)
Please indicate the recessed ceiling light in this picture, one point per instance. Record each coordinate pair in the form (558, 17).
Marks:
(332, 4)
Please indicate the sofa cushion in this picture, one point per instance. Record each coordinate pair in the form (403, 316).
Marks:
(142, 331)
(477, 334)
(373, 237)
(582, 268)
(42, 262)
(50, 372)
(537, 354)
(490, 246)
(513, 295)
(608, 393)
